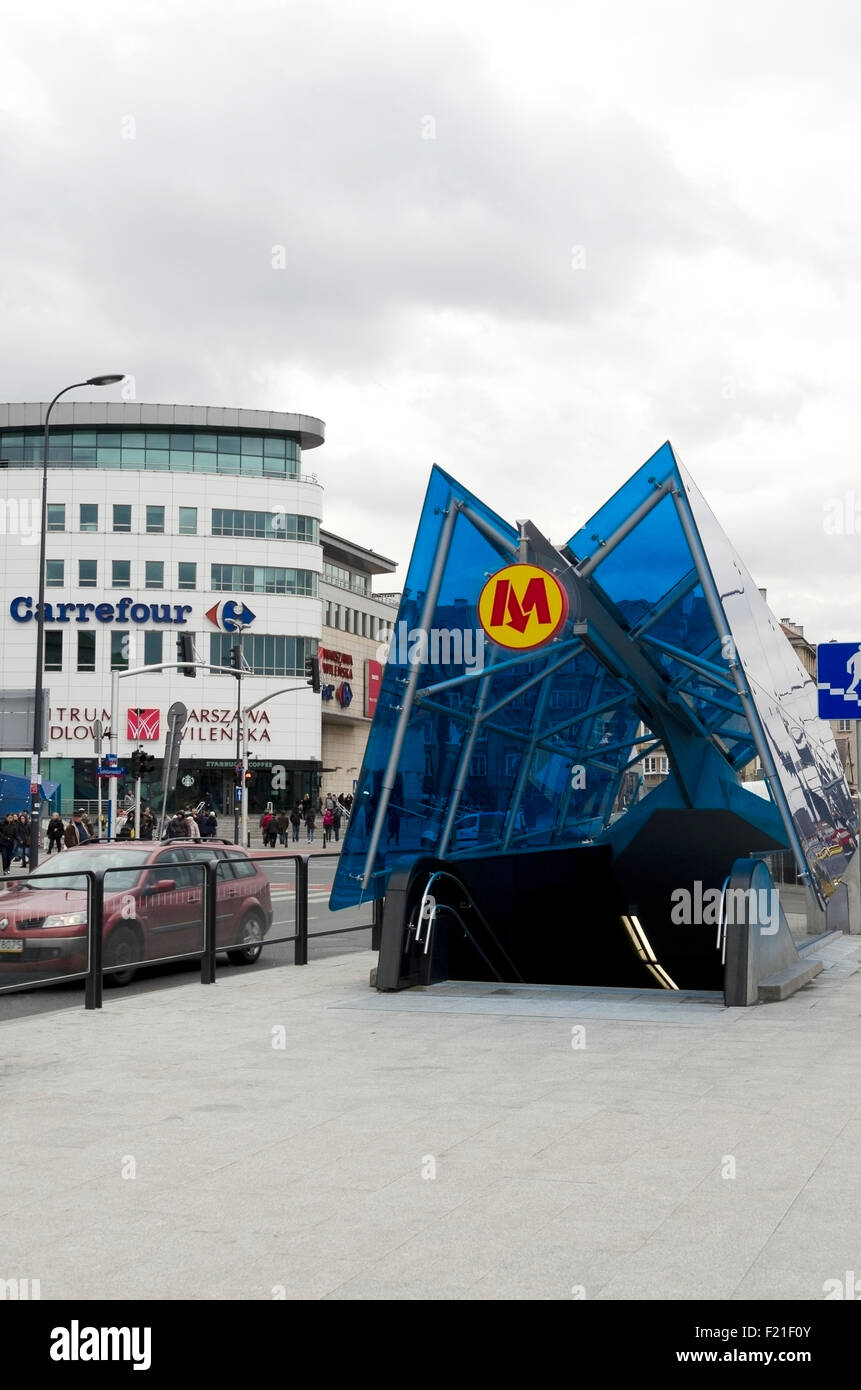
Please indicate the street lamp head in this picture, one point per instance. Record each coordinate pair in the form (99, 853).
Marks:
(110, 379)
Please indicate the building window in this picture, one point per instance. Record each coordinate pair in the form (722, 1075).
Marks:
(119, 650)
(269, 526)
(478, 765)
(88, 573)
(266, 656)
(153, 648)
(53, 650)
(188, 521)
(155, 521)
(89, 516)
(86, 651)
(263, 579)
(121, 574)
(154, 574)
(54, 571)
(656, 764)
(187, 574)
(56, 516)
(122, 517)
(180, 451)
(844, 726)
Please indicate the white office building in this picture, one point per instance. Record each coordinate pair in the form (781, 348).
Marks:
(163, 520)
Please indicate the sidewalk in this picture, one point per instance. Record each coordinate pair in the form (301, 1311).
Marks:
(466, 1142)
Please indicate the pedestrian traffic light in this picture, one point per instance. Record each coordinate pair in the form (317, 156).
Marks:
(248, 777)
(312, 672)
(185, 652)
(238, 774)
(147, 764)
(137, 772)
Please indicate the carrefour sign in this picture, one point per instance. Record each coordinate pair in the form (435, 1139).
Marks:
(125, 610)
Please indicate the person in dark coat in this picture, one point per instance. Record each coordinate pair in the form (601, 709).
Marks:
(22, 848)
(8, 840)
(55, 833)
(296, 818)
(310, 822)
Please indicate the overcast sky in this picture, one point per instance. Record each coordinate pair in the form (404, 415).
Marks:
(527, 242)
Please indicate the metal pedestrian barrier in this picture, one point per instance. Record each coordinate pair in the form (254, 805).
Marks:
(118, 919)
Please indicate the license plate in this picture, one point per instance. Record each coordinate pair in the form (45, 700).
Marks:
(11, 948)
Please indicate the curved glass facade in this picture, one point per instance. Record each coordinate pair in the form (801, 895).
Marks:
(164, 450)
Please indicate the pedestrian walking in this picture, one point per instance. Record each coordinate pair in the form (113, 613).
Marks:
(76, 832)
(283, 823)
(296, 818)
(310, 822)
(336, 822)
(8, 840)
(22, 848)
(55, 833)
(327, 825)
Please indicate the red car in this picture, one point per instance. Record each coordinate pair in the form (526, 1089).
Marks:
(153, 908)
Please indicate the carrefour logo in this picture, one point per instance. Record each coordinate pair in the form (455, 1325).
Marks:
(24, 610)
(522, 606)
(230, 615)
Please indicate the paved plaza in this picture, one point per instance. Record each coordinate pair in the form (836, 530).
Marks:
(292, 1133)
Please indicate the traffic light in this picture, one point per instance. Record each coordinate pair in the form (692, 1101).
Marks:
(137, 771)
(249, 775)
(238, 774)
(147, 764)
(185, 652)
(312, 672)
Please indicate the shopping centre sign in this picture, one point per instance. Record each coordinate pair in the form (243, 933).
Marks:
(126, 610)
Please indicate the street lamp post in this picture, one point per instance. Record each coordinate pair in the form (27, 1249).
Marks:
(36, 758)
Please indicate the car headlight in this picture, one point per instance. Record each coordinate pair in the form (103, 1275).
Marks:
(66, 919)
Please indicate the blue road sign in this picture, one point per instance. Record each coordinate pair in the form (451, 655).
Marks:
(838, 667)
(113, 771)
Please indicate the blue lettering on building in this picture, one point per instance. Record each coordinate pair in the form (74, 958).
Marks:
(128, 610)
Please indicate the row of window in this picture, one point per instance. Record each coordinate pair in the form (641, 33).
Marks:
(121, 574)
(355, 621)
(268, 526)
(344, 578)
(182, 452)
(266, 656)
(237, 579)
(263, 579)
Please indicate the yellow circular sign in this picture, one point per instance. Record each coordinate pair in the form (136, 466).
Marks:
(522, 606)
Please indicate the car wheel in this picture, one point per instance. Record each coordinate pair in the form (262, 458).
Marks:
(251, 932)
(123, 948)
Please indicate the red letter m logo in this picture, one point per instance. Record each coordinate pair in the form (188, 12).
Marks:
(505, 601)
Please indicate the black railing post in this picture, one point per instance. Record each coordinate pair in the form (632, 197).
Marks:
(96, 915)
(300, 956)
(210, 922)
(377, 923)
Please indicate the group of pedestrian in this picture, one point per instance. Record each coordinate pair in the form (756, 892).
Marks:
(191, 824)
(329, 813)
(15, 840)
(59, 835)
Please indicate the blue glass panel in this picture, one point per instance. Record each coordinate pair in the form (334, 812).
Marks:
(504, 753)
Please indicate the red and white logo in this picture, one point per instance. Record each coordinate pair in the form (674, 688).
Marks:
(142, 724)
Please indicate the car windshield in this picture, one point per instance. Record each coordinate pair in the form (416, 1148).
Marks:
(129, 861)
